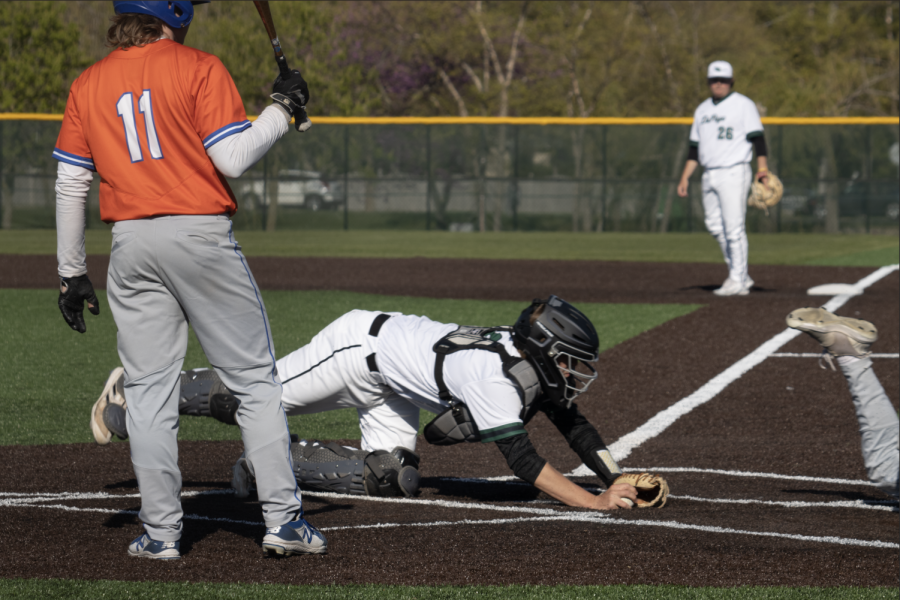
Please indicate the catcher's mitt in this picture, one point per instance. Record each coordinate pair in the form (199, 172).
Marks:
(652, 490)
(764, 195)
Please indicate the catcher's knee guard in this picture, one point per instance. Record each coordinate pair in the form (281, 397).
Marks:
(204, 395)
(394, 473)
(195, 386)
(223, 404)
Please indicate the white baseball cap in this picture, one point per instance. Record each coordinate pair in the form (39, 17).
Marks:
(719, 68)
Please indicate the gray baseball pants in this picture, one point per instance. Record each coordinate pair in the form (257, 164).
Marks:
(164, 273)
(879, 427)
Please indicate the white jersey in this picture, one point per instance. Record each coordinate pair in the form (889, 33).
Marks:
(406, 360)
(723, 131)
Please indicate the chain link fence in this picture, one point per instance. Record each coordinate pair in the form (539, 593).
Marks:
(493, 177)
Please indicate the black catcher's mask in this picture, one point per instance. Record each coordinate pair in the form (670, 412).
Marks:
(561, 345)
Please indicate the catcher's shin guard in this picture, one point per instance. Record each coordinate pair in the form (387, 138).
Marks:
(334, 468)
(329, 467)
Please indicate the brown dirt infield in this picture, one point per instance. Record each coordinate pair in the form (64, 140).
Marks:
(785, 416)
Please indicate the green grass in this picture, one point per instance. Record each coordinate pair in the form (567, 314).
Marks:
(52, 375)
(769, 249)
(72, 589)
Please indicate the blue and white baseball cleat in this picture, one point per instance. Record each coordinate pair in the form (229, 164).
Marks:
(296, 537)
(146, 547)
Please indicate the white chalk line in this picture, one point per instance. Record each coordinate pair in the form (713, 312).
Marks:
(623, 447)
(581, 517)
(23, 500)
(819, 355)
(752, 474)
(15, 499)
(591, 518)
(512, 479)
(887, 505)
(712, 529)
(442, 503)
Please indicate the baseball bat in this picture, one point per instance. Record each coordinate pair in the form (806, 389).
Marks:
(266, 15)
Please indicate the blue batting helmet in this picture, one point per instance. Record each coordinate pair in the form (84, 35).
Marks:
(176, 14)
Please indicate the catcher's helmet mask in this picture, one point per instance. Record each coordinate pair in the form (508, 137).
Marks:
(176, 14)
(561, 345)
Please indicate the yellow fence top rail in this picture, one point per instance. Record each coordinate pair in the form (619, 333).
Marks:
(531, 120)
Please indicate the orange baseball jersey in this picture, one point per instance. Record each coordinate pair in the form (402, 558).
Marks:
(143, 118)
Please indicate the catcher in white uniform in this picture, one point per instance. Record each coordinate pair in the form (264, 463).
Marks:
(725, 131)
(485, 383)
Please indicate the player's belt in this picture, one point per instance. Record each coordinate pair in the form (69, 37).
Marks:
(374, 330)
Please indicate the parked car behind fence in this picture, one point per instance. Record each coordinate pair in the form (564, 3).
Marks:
(296, 188)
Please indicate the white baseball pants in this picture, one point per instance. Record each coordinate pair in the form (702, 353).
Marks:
(879, 427)
(164, 272)
(334, 371)
(725, 208)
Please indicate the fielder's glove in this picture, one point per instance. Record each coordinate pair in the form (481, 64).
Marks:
(73, 291)
(652, 490)
(764, 195)
(293, 94)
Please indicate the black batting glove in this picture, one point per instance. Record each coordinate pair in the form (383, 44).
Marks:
(73, 292)
(293, 94)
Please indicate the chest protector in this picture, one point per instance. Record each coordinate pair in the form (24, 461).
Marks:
(455, 424)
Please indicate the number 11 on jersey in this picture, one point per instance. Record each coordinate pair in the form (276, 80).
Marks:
(125, 109)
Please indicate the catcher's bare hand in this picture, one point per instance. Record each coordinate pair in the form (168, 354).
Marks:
(619, 495)
(683, 188)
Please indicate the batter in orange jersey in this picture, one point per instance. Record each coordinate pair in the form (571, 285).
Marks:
(163, 125)
(143, 117)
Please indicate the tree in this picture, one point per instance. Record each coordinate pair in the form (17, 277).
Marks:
(39, 58)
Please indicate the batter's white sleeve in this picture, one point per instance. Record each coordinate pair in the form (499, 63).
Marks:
(236, 153)
(72, 186)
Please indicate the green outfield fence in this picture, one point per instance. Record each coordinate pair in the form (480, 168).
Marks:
(531, 174)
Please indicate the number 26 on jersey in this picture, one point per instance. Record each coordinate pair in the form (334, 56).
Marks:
(125, 110)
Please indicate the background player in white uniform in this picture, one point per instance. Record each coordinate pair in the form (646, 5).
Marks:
(162, 123)
(384, 365)
(725, 131)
